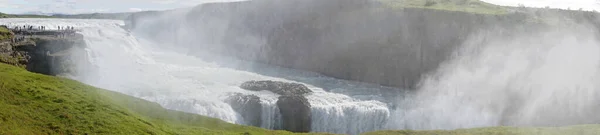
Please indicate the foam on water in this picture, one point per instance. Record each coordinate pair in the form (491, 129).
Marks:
(176, 81)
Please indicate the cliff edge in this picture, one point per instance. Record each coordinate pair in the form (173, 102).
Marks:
(49, 52)
(369, 41)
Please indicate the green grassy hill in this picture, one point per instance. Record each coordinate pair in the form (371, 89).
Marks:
(471, 6)
(4, 15)
(33, 104)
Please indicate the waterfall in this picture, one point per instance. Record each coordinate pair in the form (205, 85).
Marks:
(140, 68)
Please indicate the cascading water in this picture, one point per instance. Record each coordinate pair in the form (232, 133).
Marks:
(139, 68)
(546, 78)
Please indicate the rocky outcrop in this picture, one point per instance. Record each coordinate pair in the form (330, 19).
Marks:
(295, 112)
(293, 106)
(281, 88)
(46, 52)
(248, 106)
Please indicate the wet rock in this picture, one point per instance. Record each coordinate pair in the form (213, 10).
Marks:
(295, 112)
(281, 88)
(46, 52)
(293, 106)
(248, 106)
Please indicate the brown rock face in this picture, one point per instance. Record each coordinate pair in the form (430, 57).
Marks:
(295, 112)
(293, 106)
(248, 106)
(45, 52)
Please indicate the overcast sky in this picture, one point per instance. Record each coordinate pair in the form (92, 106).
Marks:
(90, 6)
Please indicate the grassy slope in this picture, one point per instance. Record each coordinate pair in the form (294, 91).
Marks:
(472, 6)
(38, 104)
(4, 33)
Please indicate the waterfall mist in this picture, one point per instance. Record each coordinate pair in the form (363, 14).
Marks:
(498, 71)
(502, 73)
(546, 77)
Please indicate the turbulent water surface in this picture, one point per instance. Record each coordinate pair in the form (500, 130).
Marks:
(176, 81)
(549, 78)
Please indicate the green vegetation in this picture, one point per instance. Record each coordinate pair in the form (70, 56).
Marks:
(5, 33)
(113, 16)
(38, 104)
(15, 61)
(5, 47)
(472, 6)
(3, 15)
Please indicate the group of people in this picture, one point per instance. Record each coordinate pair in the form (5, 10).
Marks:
(21, 32)
(30, 27)
(66, 28)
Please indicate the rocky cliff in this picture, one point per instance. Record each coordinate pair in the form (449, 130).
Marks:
(45, 52)
(349, 39)
(296, 115)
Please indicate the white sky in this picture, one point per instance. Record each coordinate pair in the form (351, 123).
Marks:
(90, 6)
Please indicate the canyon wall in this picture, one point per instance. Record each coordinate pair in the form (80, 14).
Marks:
(349, 39)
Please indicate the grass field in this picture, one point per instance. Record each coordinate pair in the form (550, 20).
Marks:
(34, 104)
(472, 6)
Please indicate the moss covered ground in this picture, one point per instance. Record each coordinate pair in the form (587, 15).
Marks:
(4, 33)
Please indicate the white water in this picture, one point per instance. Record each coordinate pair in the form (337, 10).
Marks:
(543, 78)
(176, 81)
(547, 78)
